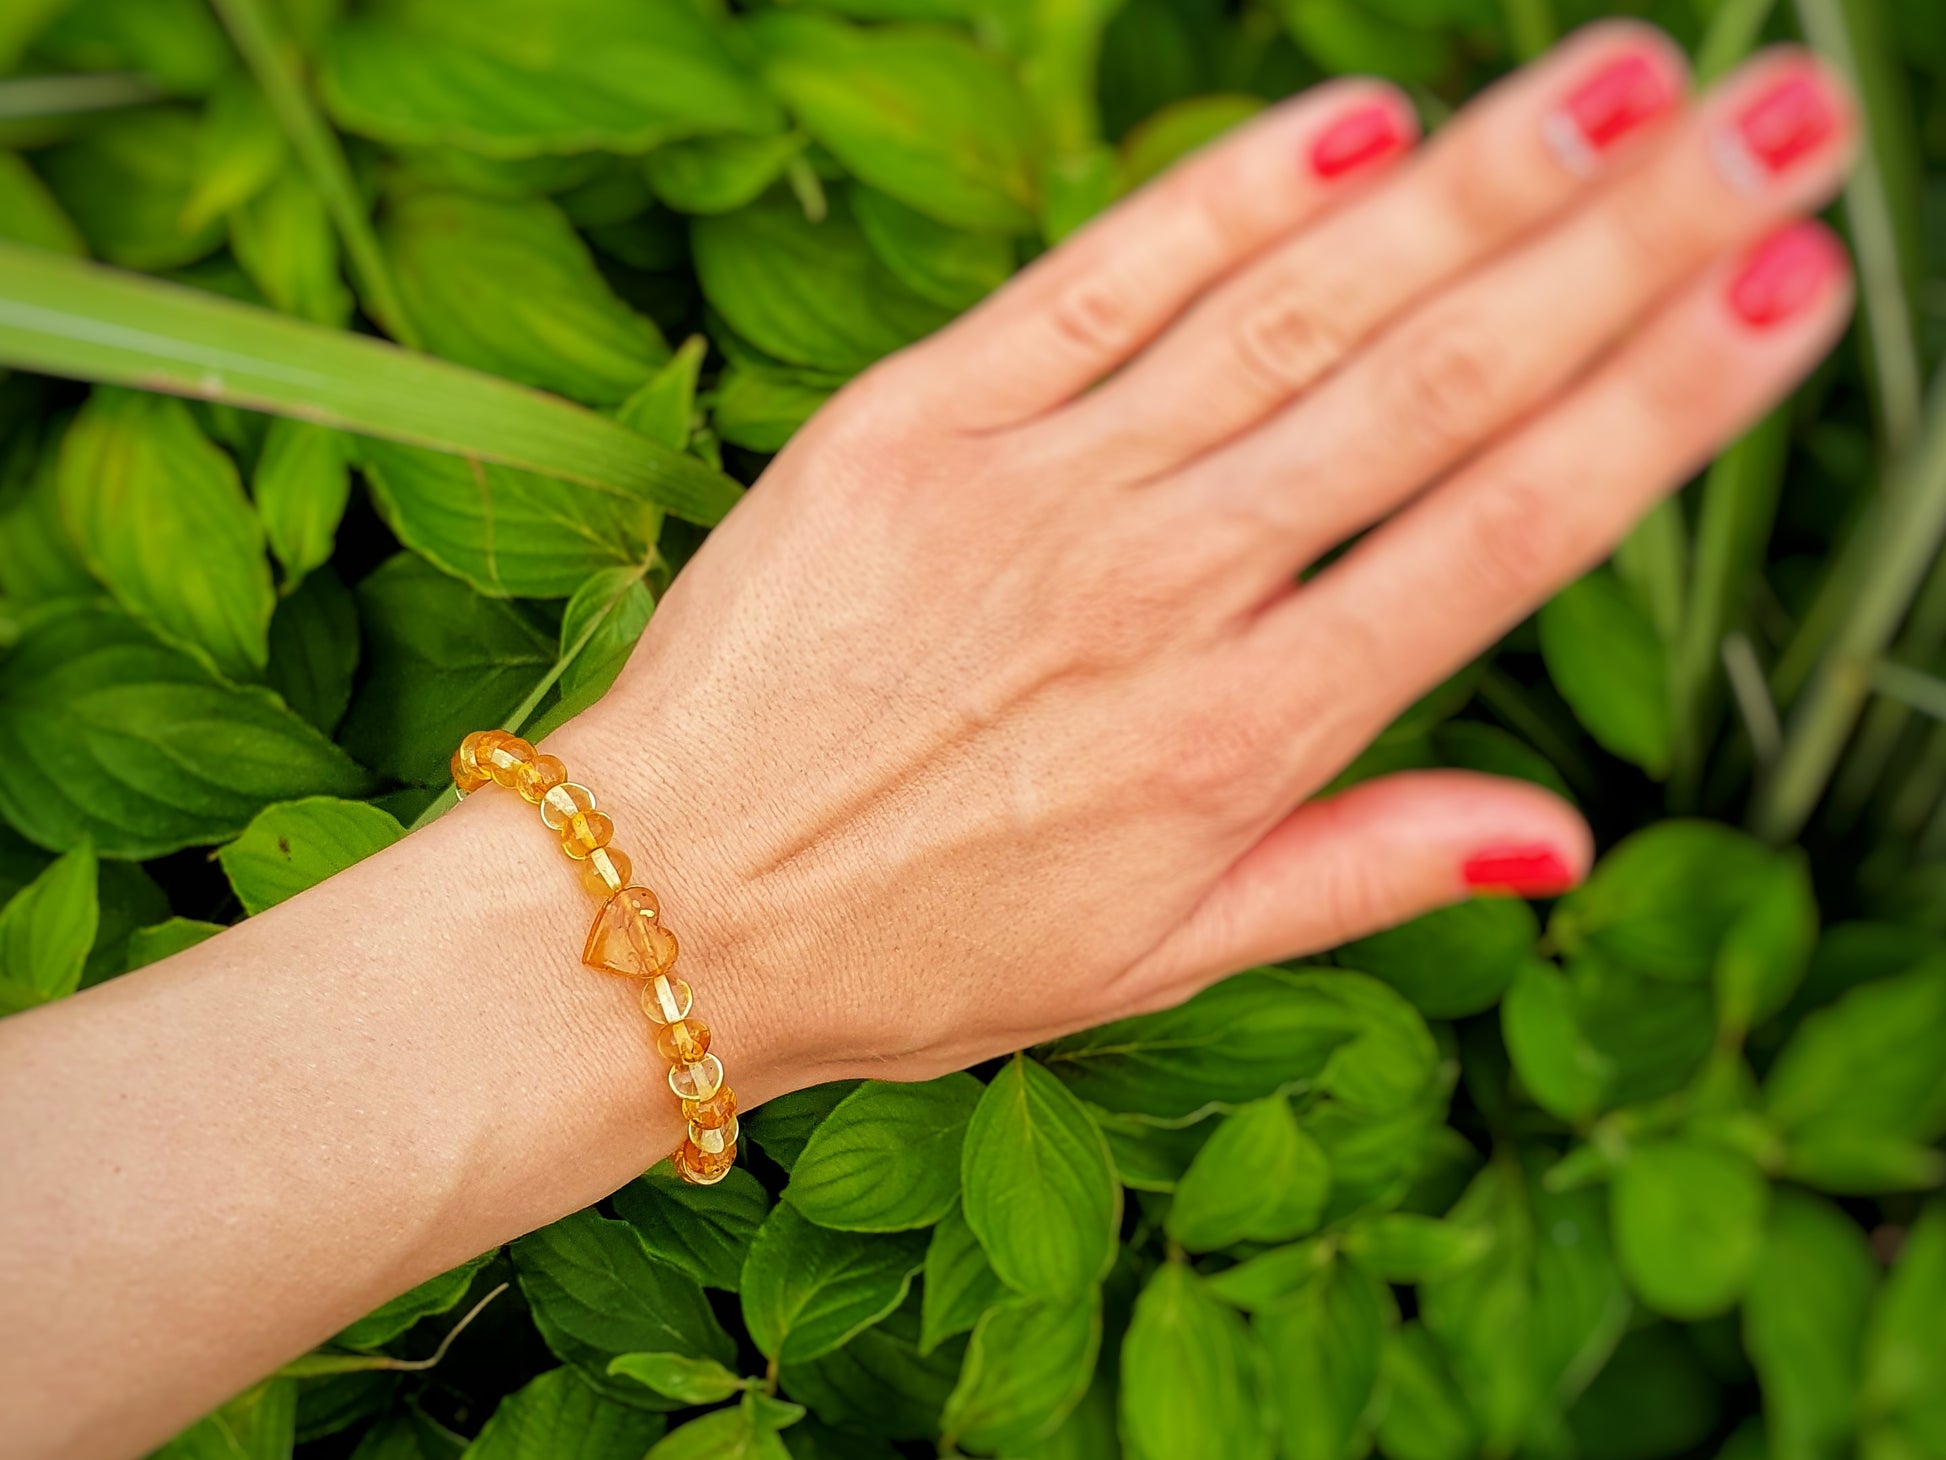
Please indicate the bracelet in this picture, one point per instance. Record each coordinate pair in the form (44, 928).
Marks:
(627, 937)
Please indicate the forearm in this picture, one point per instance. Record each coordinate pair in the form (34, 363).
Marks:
(217, 1162)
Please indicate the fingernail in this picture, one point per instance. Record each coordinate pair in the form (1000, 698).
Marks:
(1359, 137)
(1792, 119)
(1619, 98)
(1518, 872)
(1785, 274)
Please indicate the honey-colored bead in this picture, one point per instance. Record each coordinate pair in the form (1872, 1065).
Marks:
(587, 831)
(469, 770)
(627, 938)
(505, 757)
(535, 778)
(697, 1081)
(665, 999)
(683, 1042)
(712, 1170)
(564, 802)
(711, 1114)
(466, 777)
(605, 872)
(714, 1140)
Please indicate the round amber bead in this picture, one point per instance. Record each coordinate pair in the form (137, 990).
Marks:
(563, 803)
(683, 1042)
(711, 1114)
(697, 1081)
(713, 1139)
(469, 768)
(535, 778)
(606, 871)
(704, 1170)
(466, 777)
(506, 757)
(587, 831)
(665, 999)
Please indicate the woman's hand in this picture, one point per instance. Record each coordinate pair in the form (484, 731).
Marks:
(993, 711)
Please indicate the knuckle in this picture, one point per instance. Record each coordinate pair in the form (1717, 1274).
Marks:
(1650, 239)
(1517, 535)
(1450, 380)
(1214, 767)
(1287, 340)
(1358, 897)
(1214, 193)
(1095, 315)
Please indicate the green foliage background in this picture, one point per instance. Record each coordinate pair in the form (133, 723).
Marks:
(1642, 1174)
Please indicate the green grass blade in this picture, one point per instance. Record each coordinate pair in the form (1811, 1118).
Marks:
(272, 62)
(25, 97)
(63, 316)
(1530, 26)
(1732, 35)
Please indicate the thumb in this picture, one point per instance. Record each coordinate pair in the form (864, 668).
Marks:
(1378, 854)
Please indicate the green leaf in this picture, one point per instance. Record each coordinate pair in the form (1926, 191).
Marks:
(1258, 1178)
(1147, 1156)
(1425, 1416)
(174, 41)
(761, 409)
(921, 114)
(159, 515)
(65, 317)
(507, 79)
(879, 1383)
(783, 1126)
(301, 485)
(126, 182)
(440, 661)
(1249, 1036)
(508, 533)
(1764, 953)
(1560, 1066)
(596, 1293)
(1654, 1397)
(259, 1424)
(1039, 1188)
(807, 1289)
(728, 1434)
(1849, 1161)
(1905, 1366)
(960, 1284)
(1662, 902)
(440, 1294)
(1193, 1376)
(1869, 1062)
(28, 212)
(952, 268)
(1026, 1367)
(46, 930)
(1323, 1348)
(1275, 1277)
(106, 734)
(284, 240)
(557, 1417)
(887, 1159)
(1393, 1062)
(693, 1381)
(664, 407)
(295, 845)
(1405, 1247)
(239, 150)
(166, 939)
(1689, 1223)
(1470, 746)
(1804, 1320)
(719, 174)
(599, 630)
(704, 1231)
(314, 644)
(809, 294)
(1178, 130)
(1605, 658)
(563, 329)
(1454, 961)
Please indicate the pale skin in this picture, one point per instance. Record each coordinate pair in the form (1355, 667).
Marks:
(995, 711)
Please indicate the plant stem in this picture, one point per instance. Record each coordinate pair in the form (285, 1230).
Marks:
(1906, 535)
(25, 97)
(1885, 722)
(269, 59)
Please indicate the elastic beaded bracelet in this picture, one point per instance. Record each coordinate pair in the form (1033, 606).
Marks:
(627, 937)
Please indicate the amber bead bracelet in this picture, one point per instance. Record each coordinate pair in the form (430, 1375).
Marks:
(627, 937)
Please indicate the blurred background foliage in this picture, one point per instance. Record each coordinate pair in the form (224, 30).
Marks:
(1646, 1173)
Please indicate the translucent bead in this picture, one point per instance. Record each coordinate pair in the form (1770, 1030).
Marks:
(605, 872)
(469, 771)
(563, 802)
(714, 1140)
(697, 1081)
(712, 1171)
(665, 999)
(626, 937)
(505, 757)
(466, 777)
(683, 1042)
(538, 776)
(587, 831)
(719, 1110)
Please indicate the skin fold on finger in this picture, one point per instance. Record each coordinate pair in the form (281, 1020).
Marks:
(1528, 148)
(1367, 858)
(1500, 344)
(1077, 314)
(1437, 583)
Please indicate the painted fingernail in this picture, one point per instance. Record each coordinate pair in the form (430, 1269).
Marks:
(1518, 872)
(1785, 274)
(1361, 136)
(1618, 99)
(1793, 118)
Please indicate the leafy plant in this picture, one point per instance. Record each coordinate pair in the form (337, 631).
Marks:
(1648, 1172)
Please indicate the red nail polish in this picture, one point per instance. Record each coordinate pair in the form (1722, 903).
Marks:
(1791, 120)
(1518, 872)
(1785, 274)
(1617, 99)
(1372, 131)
